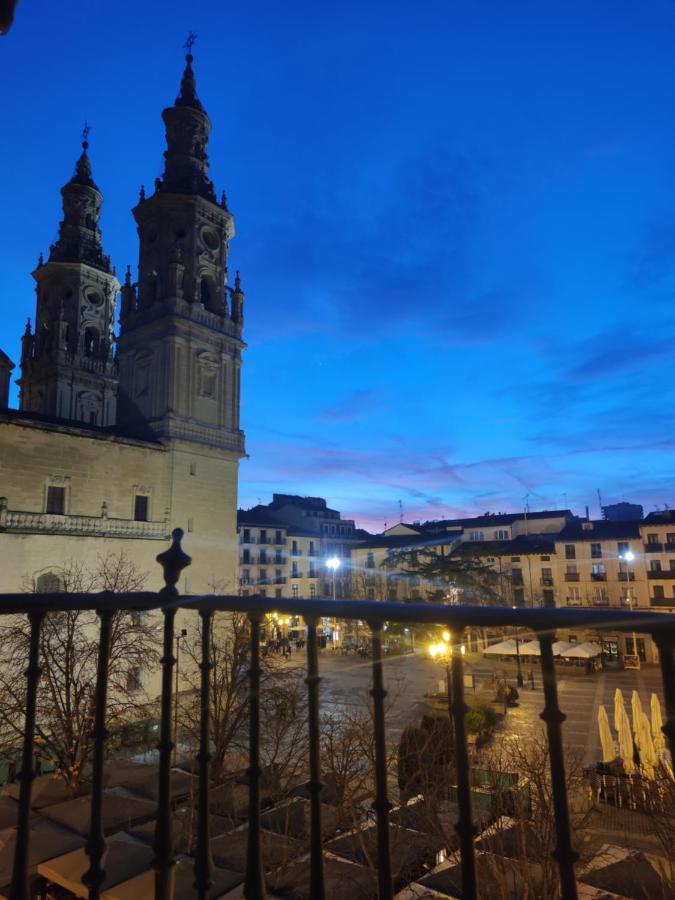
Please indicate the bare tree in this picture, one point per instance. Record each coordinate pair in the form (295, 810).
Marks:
(68, 659)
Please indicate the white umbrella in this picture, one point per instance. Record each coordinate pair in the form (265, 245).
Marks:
(606, 739)
(504, 648)
(530, 648)
(583, 651)
(618, 706)
(636, 708)
(657, 724)
(648, 758)
(559, 647)
(625, 742)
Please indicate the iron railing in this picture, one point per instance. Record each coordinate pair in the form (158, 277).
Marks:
(458, 619)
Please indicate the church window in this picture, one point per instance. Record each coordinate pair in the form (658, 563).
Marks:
(56, 500)
(141, 507)
(91, 339)
(191, 525)
(48, 583)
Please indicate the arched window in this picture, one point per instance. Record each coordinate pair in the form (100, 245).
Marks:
(91, 339)
(205, 292)
(48, 583)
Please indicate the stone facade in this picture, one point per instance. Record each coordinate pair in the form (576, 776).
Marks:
(119, 440)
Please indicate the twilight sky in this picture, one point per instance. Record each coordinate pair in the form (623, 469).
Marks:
(455, 226)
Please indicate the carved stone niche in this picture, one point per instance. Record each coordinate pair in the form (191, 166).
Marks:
(207, 375)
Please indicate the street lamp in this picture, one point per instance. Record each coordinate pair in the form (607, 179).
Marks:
(628, 557)
(442, 652)
(519, 671)
(179, 638)
(333, 564)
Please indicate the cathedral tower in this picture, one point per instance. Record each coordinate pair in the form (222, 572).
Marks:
(68, 368)
(180, 324)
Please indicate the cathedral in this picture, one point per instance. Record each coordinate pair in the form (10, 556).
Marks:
(120, 439)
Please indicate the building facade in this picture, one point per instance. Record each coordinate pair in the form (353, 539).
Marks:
(121, 438)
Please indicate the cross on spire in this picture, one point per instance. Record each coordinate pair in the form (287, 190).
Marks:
(190, 41)
(85, 134)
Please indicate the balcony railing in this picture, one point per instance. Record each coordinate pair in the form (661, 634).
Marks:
(547, 582)
(661, 574)
(84, 526)
(653, 547)
(542, 622)
(571, 576)
(669, 547)
(626, 576)
(598, 576)
(663, 601)
(574, 601)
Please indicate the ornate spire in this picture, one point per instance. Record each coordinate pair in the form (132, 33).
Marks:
(187, 132)
(188, 85)
(83, 166)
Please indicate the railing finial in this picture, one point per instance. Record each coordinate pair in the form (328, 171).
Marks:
(173, 561)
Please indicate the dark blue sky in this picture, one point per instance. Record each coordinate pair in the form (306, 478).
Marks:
(455, 226)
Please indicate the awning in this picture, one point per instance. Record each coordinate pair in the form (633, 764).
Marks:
(505, 648)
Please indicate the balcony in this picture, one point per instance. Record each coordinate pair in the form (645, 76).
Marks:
(280, 579)
(663, 602)
(297, 574)
(660, 574)
(600, 601)
(572, 576)
(84, 526)
(598, 576)
(248, 540)
(547, 582)
(653, 547)
(669, 547)
(574, 601)
(626, 576)
(541, 622)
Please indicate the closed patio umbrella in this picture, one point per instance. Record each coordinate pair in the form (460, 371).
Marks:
(606, 739)
(657, 724)
(625, 742)
(648, 757)
(618, 706)
(636, 708)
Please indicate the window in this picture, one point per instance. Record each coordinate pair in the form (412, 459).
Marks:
(312, 591)
(370, 593)
(278, 575)
(515, 559)
(596, 551)
(263, 536)
(476, 536)
(670, 538)
(247, 535)
(263, 576)
(571, 569)
(311, 548)
(246, 576)
(370, 561)
(672, 565)
(277, 593)
(246, 557)
(294, 548)
(193, 468)
(659, 592)
(654, 565)
(519, 597)
(312, 571)
(546, 573)
(573, 596)
(501, 535)
(295, 591)
(600, 596)
(278, 558)
(134, 679)
(545, 558)
(56, 500)
(48, 583)
(652, 539)
(141, 503)
(278, 537)
(570, 551)
(598, 569)
(294, 570)
(191, 524)
(622, 548)
(263, 557)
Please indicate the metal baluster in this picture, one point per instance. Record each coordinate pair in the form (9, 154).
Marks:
(666, 643)
(173, 562)
(95, 847)
(254, 885)
(465, 827)
(314, 786)
(381, 804)
(203, 861)
(564, 854)
(19, 889)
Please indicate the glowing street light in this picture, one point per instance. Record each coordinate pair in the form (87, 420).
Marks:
(626, 558)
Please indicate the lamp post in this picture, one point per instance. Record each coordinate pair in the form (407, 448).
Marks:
(333, 564)
(179, 638)
(628, 557)
(442, 651)
(519, 671)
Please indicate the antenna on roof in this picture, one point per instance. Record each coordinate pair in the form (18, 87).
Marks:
(400, 511)
(600, 502)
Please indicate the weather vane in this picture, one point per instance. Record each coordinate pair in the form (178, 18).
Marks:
(85, 132)
(189, 43)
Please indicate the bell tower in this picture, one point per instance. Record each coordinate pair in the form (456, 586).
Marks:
(181, 324)
(68, 369)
